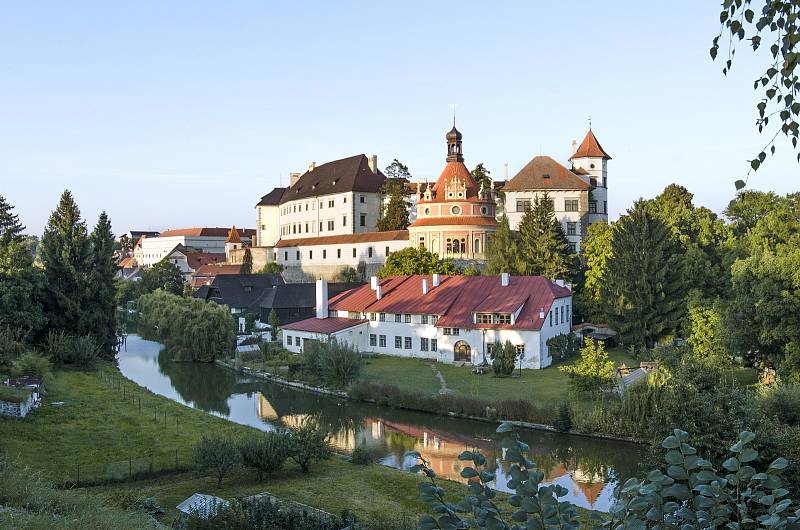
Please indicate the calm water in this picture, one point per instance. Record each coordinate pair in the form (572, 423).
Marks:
(589, 469)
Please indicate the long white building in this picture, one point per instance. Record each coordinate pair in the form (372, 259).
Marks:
(150, 250)
(449, 319)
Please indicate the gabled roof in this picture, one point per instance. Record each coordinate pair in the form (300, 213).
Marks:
(217, 269)
(295, 295)
(457, 298)
(323, 325)
(338, 176)
(195, 260)
(272, 198)
(590, 147)
(243, 291)
(544, 173)
(233, 236)
(362, 237)
(208, 232)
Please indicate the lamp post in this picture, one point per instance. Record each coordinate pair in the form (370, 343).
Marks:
(484, 348)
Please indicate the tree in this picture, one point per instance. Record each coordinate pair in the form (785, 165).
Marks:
(416, 261)
(593, 371)
(504, 358)
(125, 243)
(563, 346)
(66, 255)
(780, 86)
(247, 263)
(163, 275)
(216, 455)
(481, 176)
(543, 245)
(349, 275)
(102, 321)
(595, 253)
(395, 212)
(707, 336)
(308, 443)
(10, 228)
(266, 453)
(643, 295)
(502, 252)
(748, 207)
(273, 322)
(271, 267)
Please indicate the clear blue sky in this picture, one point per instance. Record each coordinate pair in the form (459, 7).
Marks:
(173, 114)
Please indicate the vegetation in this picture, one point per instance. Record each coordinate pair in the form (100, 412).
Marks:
(563, 419)
(416, 261)
(349, 275)
(265, 453)
(504, 357)
(163, 275)
(481, 176)
(502, 254)
(247, 262)
(216, 455)
(274, 322)
(395, 213)
(564, 346)
(191, 329)
(66, 349)
(542, 241)
(364, 455)
(271, 267)
(595, 255)
(594, 371)
(32, 363)
(333, 362)
(14, 394)
(308, 443)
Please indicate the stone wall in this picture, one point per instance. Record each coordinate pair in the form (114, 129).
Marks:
(17, 410)
(261, 256)
(309, 273)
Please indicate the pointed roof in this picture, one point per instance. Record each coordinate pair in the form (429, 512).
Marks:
(338, 176)
(544, 173)
(233, 236)
(590, 147)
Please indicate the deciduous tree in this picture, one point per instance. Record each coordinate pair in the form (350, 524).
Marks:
(416, 261)
(163, 275)
(593, 371)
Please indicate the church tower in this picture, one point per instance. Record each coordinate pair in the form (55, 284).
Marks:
(590, 162)
(234, 242)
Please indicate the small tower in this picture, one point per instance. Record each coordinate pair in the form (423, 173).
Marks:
(590, 163)
(454, 152)
(234, 242)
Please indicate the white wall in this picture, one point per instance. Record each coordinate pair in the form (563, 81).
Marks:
(339, 254)
(302, 218)
(564, 217)
(268, 225)
(154, 249)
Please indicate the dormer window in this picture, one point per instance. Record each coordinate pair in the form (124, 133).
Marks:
(493, 318)
(546, 176)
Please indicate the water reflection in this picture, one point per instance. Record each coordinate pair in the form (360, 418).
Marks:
(589, 469)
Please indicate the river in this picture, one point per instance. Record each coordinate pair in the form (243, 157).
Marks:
(588, 468)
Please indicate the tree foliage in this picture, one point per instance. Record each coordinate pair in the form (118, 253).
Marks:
(643, 295)
(707, 336)
(416, 261)
(101, 315)
(395, 211)
(779, 86)
(163, 275)
(11, 230)
(349, 275)
(563, 346)
(481, 176)
(593, 371)
(504, 358)
(247, 262)
(274, 322)
(271, 267)
(265, 452)
(502, 251)
(217, 456)
(543, 246)
(595, 253)
(308, 443)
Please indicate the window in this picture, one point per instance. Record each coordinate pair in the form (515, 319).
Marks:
(306, 228)
(363, 220)
(571, 205)
(345, 199)
(593, 181)
(493, 318)
(339, 253)
(330, 226)
(455, 210)
(523, 205)
(310, 254)
(592, 206)
(604, 182)
(483, 318)
(489, 346)
(398, 317)
(423, 319)
(354, 252)
(330, 203)
(320, 226)
(288, 340)
(353, 315)
(362, 199)
(373, 339)
(572, 228)
(298, 255)
(424, 344)
(297, 341)
(382, 317)
(398, 342)
(450, 331)
(407, 318)
(369, 252)
(562, 314)
(407, 343)
(324, 253)
(551, 317)
(434, 319)
(286, 256)
(556, 311)
(382, 341)
(520, 350)
(605, 206)
(373, 316)
(433, 345)
(320, 205)
(387, 251)
(572, 248)
(344, 220)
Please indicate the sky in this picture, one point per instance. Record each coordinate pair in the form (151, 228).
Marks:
(184, 113)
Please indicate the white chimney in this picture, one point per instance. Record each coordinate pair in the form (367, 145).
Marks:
(373, 282)
(293, 178)
(574, 146)
(435, 281)
(378, 294)
(504, 279)
(424, 285)
(560, 283)
(373, 163)
(541, 313)
(311, 166)
(322, 298)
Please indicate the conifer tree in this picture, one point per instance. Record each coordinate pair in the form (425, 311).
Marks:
(101, 303)
(247, 263)
(10, 227)
(481, 176)
(395, 213)
(543, 245)
(66, 256)
(643, 295)
(502, 252)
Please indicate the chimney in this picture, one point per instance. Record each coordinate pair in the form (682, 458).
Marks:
(373, 282)
(424, 286)
(504, 279)
(311, 166)
(574, 146)
(373, 163)
(435, 281)
(378, 294)
(541, 313)
(322, 298)
(293, 178)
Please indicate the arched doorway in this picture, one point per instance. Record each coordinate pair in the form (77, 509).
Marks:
(462, 352)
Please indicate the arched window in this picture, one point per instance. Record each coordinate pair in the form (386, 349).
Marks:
(477, 247)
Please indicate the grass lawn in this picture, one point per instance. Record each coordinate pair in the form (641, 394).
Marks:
(541, 386)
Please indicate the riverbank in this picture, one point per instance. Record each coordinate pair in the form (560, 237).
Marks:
(433, 404)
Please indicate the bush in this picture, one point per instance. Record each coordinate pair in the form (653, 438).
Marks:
(563, 420)
(364, 455)
(333, 362)
(564, 346)
(249, 322)
(31, 364)
(274, 350)
(67, 349)
(10, 349)
(308, 443)
(594, 371)
(217, 456)
(504, 357)
(266, 453)
(782, 402)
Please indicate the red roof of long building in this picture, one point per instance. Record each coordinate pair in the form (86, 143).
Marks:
(362, 237)
(456, 298)
(323, 325)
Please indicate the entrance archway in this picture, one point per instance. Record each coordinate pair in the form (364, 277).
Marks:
(462, 352)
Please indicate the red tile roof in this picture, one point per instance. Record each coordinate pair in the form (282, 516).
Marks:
(208, 232)
(233, 236)
(455, 220)
(216, 270)
(323, 325)
(544, 173)
(127, 263)
(590, 147)
(364, 237)
(454, 172)
(195, 260)
(457, 298)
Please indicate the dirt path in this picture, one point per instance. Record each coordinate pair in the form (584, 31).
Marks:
(443, 384)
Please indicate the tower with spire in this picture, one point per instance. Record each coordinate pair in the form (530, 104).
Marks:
(590, 161)
(233, 242)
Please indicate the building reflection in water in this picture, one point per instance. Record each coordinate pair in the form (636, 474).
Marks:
(589, 485)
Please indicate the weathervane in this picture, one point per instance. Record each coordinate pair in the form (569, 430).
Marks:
(590, 121)
(453, 106)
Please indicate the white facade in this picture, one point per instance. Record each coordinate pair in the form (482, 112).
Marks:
(597, 169)
(574, 219)
(335, 214)
(154, 249)
(348, 254)
(268, 227)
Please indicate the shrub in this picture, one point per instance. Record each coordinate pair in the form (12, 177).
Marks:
(10, 349)
(249, 322)
(364, 455)
(216, 455)
(68, 349)
(334, 362)
(308, 443)
(266, 453)
(563, 420)
(273, 322)
(274, 350)
(782, 402)
(504, 357)
(594, 370)
(564, 346)
(31, 364)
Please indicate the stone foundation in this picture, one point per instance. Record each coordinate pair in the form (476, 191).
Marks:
(17, 410)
